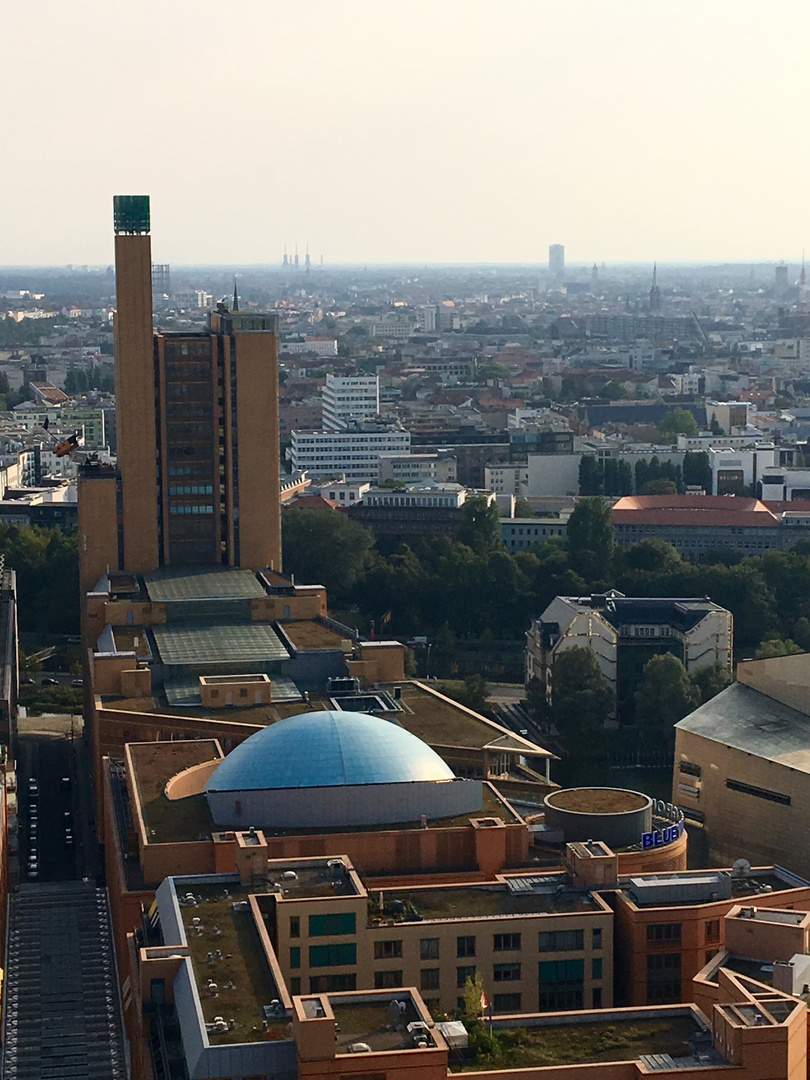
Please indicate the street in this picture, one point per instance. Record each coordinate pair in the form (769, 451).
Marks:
(53, 825)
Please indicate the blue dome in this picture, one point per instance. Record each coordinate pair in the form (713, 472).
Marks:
(328, 749)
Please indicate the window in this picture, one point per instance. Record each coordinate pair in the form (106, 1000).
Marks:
(663, 978)
(465, 946)
(429, 948)
(596, 967)
(332, 955)
(664, 932)
(340, 923)
(713, 930)
(295, 926)
(464, 973)
(387, 950)
(597, 997)
(295, 956)
(597, 938)
(689, 768)
(561, 940)
(506, 1003)
(386, 980)
(295, 985)
(760, 793)
(506, 972)
(507, 942)
(561, 984)
(429, 979)
(332, 984)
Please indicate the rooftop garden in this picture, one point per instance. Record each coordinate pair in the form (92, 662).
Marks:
(576, 1044)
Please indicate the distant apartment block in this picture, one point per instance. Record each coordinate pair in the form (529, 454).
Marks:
(349, 400)
(423, 508)
(519, 534)
(354, 452)
(197, 299)
(411, 468)
(391, 326)
(624, 633)
(320, 346)
(507, 479)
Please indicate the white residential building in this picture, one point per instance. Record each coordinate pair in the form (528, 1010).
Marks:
(320, 346)
(348, 400)
(355, 452)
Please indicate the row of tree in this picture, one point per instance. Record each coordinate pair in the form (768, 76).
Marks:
(613, 476)
(463, 587)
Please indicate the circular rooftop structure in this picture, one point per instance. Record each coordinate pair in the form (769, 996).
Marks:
(616, 815)
(335, 769)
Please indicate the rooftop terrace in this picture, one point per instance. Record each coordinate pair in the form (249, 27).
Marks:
(369, 1022)
(547, 898)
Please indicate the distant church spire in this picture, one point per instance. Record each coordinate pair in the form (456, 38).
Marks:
(285, 261)
(307, 265)
(235, 298)
(296, 255)
(655, 292)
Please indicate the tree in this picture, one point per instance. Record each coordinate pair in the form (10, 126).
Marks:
(665, 694)
(697, 471)
(709, 681)
(652, 556)
(473, 993)
(659, 487)
(777, 646)
(324, 547)
(678, 422)
(590, 480)
(472, 692)
(480, 527)
(523, 508)
(581, 696)
(591, 543)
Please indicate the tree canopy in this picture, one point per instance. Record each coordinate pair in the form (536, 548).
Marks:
(591, 543)
(678, 422)
(324, 547)
(665, 694)
(581, 696)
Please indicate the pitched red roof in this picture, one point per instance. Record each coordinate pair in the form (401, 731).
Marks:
(714, 511)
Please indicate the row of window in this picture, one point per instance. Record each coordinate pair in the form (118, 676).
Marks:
(333, 924)
(191, 489)
(189, 508)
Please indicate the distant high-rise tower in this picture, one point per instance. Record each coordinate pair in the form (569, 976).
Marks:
(296, 256)
(594, 277)
(161, 282)
(307, 265)
(780, 282)
(802, 275)
(556, 261)
(285, 261)
(655, 292)
(197, 428)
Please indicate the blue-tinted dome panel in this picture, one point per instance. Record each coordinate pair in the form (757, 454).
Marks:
(328, 749)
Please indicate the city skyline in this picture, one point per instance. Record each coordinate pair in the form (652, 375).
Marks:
(411, 133)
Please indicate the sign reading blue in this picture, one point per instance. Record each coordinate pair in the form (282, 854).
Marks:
(659, 837)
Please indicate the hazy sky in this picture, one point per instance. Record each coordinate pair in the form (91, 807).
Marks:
(408, 130)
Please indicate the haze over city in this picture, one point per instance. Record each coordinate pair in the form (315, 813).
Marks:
(421, 132)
